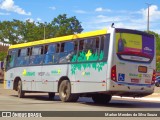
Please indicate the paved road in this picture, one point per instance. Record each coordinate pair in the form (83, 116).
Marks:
(40, 102)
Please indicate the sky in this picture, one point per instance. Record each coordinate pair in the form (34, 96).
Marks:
(93, 14)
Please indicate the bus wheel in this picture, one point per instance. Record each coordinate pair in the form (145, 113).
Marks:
(19, 89)
(65, 92)
(101, 98)
(51, 95)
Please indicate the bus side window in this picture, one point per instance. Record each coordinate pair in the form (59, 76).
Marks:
(36, 55)
(62, 53)
(102, 44)
(49, 54)
(75, 46)
(103, 55)
(57, 47)
(81, 45)
(68, 52)
(28, 51)
(56, 53)
(22, 58)
(11, 58)
(19, 52)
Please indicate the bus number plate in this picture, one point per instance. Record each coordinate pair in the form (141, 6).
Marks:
(142, 69)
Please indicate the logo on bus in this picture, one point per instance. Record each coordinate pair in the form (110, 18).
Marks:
(86, 73)
(121, 77)
(135, 75)
(25, 73)
(55, 72)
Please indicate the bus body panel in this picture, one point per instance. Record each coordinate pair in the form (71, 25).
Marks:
(51, 74)
(88, 79)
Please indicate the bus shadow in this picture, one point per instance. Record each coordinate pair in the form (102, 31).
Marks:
(88, 101)
(39, 97)
(126, 104)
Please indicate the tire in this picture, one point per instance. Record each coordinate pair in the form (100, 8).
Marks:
(51, 95)
(19, 89)
(65, 92)
(157, 84)
(101, 98)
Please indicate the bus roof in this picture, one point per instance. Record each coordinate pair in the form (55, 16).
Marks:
(60, 39)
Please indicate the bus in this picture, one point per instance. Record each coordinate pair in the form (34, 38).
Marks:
(1, 72)
(97, 64)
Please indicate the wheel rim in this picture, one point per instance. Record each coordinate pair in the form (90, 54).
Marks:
(64, 92)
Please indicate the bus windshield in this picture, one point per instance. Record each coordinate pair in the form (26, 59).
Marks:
(134, 46)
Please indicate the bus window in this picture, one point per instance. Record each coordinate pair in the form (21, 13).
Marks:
(68, 52)
(81, 45)
(23, 57)
(104, 47)
(11, 58)
(57, 48)
(36, 55)
(49, 54)
(89, 46)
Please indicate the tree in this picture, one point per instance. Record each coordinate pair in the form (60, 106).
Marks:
(157, 37)
(17, 31)
(66, 26)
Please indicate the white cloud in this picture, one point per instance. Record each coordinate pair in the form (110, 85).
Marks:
(105, 19)
(9, 5)
(39, 19)
(53, 8)
(100, 9)
(126, 19)
(154, 13)
(80, 11)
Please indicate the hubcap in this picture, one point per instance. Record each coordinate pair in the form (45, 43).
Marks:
(64, 93)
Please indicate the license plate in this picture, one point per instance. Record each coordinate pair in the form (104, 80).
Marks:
(142, 69)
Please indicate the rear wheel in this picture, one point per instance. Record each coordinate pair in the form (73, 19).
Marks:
(157, 84)
(101, 98)
(51, 95)
(19, 89)
(65, 92)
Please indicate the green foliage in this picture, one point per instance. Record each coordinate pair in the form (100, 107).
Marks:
(158, 66)
(17, 31)
(2, 55)
(66, 26)
(157, 37)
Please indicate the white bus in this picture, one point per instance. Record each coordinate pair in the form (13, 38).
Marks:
(97, 64)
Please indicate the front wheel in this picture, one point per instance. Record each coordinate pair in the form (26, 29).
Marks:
(101, 98)
(19, 90)
(65, 92)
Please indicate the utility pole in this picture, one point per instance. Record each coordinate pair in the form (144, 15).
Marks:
(148, 17)
(44, 32)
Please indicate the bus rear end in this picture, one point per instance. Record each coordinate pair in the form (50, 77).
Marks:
(133, 65)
